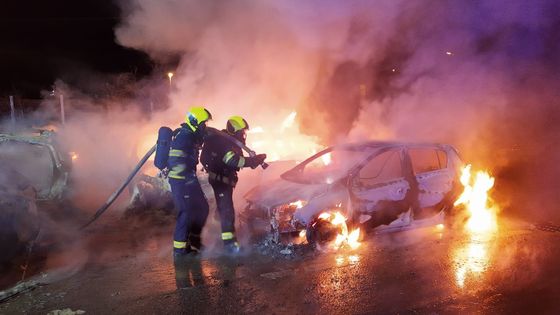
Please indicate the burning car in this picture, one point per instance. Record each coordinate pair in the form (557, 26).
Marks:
(372, 184)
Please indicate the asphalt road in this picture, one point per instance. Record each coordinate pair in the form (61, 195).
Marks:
(425, 271)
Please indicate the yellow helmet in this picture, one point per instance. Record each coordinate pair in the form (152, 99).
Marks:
(236, 123)
(196, 116)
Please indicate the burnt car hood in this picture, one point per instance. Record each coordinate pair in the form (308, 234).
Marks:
(281, 191)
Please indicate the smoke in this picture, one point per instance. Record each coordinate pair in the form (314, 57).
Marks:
(482, 76)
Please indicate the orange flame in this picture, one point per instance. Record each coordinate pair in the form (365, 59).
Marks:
(338, 220)
(298, 204)
(473, 260)
(282, 141)
(475, 199)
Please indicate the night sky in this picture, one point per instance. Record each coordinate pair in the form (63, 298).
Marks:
(45, 40)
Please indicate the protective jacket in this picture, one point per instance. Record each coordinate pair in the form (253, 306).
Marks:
(222, 159)
(183, 155)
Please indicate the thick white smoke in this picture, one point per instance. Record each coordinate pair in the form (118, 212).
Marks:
(461, 72)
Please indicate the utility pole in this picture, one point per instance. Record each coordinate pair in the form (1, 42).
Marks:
(62, 113)
(13, 112)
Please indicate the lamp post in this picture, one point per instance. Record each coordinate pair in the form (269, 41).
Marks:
(170, 76)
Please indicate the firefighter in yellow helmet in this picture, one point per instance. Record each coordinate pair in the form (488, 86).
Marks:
(223, 159)
(189, 200)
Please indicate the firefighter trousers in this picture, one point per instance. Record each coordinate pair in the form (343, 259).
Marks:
(224, 202)
(192, 212)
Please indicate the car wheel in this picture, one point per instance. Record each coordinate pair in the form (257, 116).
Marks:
(320, 232)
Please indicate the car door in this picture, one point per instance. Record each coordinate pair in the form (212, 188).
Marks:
(378, 189)
(435, 179)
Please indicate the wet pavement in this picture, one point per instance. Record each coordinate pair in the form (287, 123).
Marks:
(426, 271)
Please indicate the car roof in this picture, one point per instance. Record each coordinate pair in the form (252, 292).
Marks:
(389, 144)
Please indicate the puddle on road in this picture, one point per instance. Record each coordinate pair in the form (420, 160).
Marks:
(472, 259)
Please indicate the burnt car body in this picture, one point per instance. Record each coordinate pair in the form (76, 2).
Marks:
(33, 172)
(37, 158)
(372, 183)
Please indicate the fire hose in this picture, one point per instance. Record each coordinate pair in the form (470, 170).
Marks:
(117, 192)
(145, 158)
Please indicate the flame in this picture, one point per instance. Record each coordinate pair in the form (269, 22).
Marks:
(298, 204)
(285, 142)
(289, 121)
(343, 237)
(74, 156)
(327, 158)
(473, 259)
(475, 199)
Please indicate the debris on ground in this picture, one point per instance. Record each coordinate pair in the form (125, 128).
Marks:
(66, 311)
(290, 251)
(19, 288)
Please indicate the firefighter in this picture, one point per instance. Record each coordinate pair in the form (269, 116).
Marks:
(189, 200)
(222, 158)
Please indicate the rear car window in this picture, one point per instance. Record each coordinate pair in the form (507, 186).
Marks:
(33, 162)
(427, 160)
(384, 167)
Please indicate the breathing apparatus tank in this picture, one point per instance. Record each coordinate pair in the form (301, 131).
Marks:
(165, 135)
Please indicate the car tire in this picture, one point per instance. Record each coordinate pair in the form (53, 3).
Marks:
(319, 232)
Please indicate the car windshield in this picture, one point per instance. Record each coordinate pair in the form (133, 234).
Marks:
(328, 166)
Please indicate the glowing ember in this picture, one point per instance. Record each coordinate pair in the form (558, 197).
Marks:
(74, 156)
(338, 220)
(475, 199)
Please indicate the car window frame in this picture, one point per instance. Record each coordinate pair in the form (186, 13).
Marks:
(434, 148)
(354, 176)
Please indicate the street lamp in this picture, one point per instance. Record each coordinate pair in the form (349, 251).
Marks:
(170, 76)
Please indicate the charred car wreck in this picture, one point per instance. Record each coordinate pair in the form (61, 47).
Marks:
(34, 173)
(373, 184)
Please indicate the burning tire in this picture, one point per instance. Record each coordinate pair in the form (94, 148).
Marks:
(330, 230)
(321, 231)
